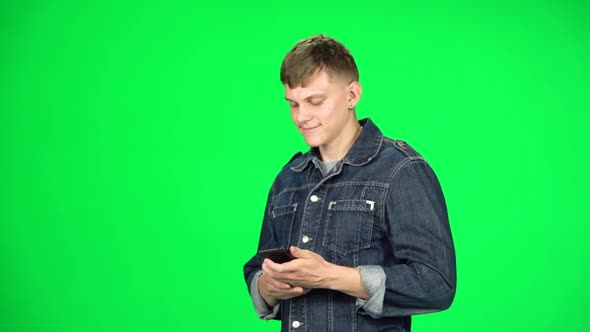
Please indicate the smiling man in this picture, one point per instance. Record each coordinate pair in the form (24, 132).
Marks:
(362, 216)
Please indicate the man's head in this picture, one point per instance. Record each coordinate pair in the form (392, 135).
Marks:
(314, 54)
(321, 85)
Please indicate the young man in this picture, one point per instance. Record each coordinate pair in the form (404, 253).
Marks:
(363, 215)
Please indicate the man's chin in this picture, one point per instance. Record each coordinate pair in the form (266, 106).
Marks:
(312, 143)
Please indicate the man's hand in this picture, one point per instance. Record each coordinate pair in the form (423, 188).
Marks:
(272, 290)
(309, 270)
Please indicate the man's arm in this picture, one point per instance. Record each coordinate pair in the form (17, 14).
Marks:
(273, 291)
(252, 268)
(262, 308)
(424, 277)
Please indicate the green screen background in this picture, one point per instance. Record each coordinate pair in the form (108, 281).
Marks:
(138, 142)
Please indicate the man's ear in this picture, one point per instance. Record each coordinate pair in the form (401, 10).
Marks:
(354, 93)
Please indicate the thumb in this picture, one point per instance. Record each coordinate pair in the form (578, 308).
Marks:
(300, 253)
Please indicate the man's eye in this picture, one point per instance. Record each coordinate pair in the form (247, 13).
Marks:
(316, 102)
(293, 105)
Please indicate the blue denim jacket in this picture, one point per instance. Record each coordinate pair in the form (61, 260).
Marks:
(380, 207)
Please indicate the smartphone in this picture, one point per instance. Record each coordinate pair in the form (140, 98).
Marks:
(277, 255)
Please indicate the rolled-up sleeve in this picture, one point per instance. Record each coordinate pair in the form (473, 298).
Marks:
(263, 310)
(373, 278)
(252, 270)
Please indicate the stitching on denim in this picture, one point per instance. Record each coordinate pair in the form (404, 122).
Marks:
(371, 157)
(339, 251)
(301, 166)
(359, 183)
(364, 192)
(382, 208)
(390, 182)
(329, 327)
(355, 262)
(272, 197)
(409, 152)
(304, 314)
(335, 185)
(283, 210)
(402, 164)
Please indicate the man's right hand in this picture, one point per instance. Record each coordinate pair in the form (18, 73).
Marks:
(272, 290)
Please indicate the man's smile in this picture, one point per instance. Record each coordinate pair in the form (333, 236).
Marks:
(307, 129)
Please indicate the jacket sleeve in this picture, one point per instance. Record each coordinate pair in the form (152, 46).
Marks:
(254, 265)
(422, 277)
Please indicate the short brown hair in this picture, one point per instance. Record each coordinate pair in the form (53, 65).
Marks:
(313, 54)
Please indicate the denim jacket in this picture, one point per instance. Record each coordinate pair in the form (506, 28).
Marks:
(381, 210)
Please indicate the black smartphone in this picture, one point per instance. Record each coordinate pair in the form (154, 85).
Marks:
(277, 255)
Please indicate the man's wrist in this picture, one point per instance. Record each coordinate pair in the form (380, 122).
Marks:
(270, 300)
(333, 280)
(346, 280)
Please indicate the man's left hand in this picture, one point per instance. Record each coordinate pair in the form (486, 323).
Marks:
(307, 270)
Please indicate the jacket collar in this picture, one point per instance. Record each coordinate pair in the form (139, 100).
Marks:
(363, 150)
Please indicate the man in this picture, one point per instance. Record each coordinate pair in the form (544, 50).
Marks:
(363, 215)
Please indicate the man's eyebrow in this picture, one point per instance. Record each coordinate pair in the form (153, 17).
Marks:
(317, 95)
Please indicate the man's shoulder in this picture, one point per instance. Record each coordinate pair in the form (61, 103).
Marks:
(394, 155)
(399, 150)
(295, 157)
(287, 176)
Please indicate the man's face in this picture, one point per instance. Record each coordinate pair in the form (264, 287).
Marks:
(320, 110)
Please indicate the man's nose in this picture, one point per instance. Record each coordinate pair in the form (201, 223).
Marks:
(303, 115)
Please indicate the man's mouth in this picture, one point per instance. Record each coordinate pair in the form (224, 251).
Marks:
(309, 128)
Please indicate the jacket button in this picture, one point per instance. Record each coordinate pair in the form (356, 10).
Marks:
(305, 239)
(296, 324)
(314, 198)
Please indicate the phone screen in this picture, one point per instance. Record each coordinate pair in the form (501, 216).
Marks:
(277, 255)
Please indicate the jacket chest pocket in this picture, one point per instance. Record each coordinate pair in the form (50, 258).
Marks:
(282, 223)
(349, 226)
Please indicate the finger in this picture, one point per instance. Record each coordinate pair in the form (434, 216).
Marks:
(285, 291)
(301, 253)
(288, 292)
(265, 268)
(272, 266)
(276, 283)
(274, 278)
(267, 261)
(298, 289)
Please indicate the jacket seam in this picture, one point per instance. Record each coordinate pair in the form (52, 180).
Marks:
(390, 183)
(334, 185)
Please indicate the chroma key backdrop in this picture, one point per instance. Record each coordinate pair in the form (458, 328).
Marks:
(139, 139)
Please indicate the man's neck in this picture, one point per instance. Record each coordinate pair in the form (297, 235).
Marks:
(338, 149)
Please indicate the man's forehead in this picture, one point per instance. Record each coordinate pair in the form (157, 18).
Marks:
(303, 93)
(319, 84)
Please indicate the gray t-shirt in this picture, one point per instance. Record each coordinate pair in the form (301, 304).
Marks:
(327, 166)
